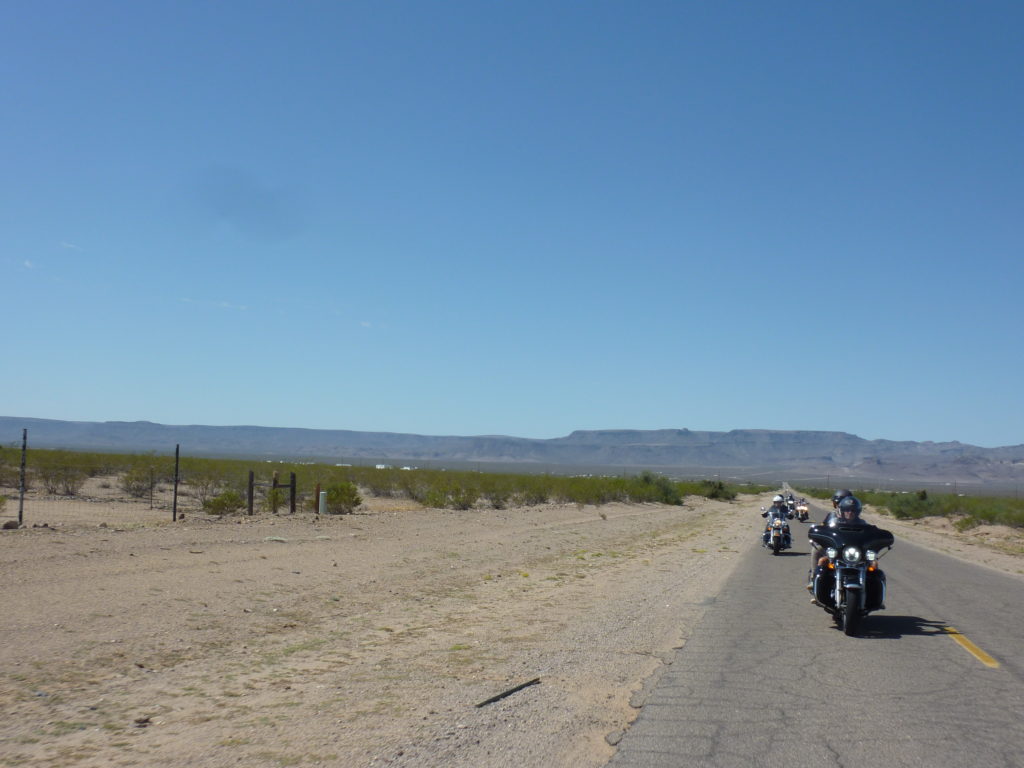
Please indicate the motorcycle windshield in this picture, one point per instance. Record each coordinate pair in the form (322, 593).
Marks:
(862, 536)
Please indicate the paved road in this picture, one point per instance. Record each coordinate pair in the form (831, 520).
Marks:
(766, 679)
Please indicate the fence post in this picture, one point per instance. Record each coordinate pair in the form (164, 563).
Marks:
(252, 481)
(174, 503)
(21, 481)
(292, 495)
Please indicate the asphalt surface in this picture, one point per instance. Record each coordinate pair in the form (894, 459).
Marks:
(766, 679)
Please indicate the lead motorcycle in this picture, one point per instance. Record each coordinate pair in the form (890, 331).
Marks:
(776, 536)
(850, 585)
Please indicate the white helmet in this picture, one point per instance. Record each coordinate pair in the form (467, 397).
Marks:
(777, 498)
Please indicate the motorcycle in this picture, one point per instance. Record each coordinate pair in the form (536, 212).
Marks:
(776, 536)
(850, 585)
(803, 510)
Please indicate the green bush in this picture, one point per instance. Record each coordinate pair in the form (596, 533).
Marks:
(715, 489)
(496, 493)
(436, 497)
(966, 511)
(463, 497)
(342, 498)
(657, 488)
(227, 503)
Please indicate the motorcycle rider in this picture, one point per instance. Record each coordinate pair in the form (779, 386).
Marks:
(830, 519)
(777, 509)
(837, 497)
(847, 513)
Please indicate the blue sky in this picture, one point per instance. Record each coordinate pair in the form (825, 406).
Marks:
(518, 218)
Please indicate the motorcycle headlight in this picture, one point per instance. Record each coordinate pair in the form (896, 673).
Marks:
(831, 552)
(851, 555)
(871, 555)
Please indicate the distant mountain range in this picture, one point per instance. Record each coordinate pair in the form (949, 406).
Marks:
(741, 453)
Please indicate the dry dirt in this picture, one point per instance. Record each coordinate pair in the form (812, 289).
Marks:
(994, 546)
(359, 640)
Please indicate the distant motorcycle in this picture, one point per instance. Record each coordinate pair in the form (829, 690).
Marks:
(803, 510)
(850, 585)
(776, 536)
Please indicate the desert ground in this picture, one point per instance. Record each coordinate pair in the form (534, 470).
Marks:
(369, 639)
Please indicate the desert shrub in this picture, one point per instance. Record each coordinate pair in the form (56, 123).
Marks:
(450, 493)
(71, 481)
(533, 491)
(414, 486)
(966, 523)
(650, 487)
(10, 477)
(965, 511)
(342, 498)
(496, 492)
(48, 477)
(138, 481)
(436, 497)
(226, 503)
(274, 499)
(463, 497)
(716, 489)
(61, 480)
(3, 504)
(9, 467)
(383, 483)
(204, 484)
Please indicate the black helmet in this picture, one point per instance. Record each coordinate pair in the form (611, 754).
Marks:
(850, 506)
(840, 495)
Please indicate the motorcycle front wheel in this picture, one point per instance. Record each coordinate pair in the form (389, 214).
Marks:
(851, 618)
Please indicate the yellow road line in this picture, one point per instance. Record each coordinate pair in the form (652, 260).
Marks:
(971, 648)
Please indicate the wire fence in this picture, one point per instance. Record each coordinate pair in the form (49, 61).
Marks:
(49, 488)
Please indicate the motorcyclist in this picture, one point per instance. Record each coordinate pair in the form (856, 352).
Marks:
(801, 507)
(777, 509)
(817, 558)
(847, 513)
(837, 497)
